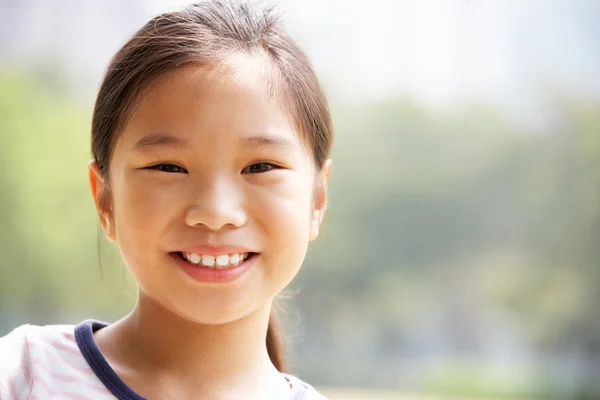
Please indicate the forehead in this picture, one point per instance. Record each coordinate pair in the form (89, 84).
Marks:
(232, 97)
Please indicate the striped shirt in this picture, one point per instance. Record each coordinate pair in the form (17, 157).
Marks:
(64, 362)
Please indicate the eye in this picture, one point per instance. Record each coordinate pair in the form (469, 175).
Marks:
(258, 168)
(169, 168)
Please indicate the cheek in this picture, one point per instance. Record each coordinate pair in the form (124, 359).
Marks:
(284, 211)
(141, 208)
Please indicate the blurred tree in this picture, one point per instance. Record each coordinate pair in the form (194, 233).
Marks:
(48, 235)
(449, 235)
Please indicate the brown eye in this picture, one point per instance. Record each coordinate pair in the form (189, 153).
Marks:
(169, 168)
(259, 168)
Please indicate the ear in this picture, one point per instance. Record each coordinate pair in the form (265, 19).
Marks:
(101, 200)
(320, 201)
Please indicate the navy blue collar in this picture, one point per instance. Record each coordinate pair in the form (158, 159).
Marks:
(84, 335)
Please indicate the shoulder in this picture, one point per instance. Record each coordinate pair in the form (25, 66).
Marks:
(34, 356)
(24, 340)
(25, 333)
(15, 368)
(302, 390)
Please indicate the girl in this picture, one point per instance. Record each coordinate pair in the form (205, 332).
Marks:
(210, 139)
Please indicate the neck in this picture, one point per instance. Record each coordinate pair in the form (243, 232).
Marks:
(173, 354)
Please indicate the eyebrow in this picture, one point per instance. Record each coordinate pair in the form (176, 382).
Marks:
(159, 139)
(259, 142)
(265, 142)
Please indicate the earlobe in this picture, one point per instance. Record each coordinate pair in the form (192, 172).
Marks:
(315, 224)
(320, 201)
(327, 169)
(97, 186)
(109, 228)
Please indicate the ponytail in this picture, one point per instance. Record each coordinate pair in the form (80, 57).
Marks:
(275, 343)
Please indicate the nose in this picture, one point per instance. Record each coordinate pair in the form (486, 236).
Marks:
(217, 204)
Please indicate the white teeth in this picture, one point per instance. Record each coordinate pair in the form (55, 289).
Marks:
(220, 261)
(208, 261)
(194, 258)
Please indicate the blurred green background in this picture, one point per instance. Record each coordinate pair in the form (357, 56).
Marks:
(460, 256)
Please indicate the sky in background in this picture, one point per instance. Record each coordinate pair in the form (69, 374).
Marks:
(444, 53)
(448, 51)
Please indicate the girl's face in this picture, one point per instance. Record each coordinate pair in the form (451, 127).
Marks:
(210, 159)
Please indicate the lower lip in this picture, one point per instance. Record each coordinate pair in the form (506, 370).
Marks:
(215, 275)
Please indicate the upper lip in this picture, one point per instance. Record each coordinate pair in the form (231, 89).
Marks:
(215, 250)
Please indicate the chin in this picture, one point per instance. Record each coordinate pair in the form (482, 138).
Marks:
(209, 313)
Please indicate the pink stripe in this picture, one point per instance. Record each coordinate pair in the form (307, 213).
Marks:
(68, 335)
(52, 392)
(44, 373)
(62, 346)
(58, 346)
(42, 365)
(24, 372)
(69, 379)
(26, 363)
(13, 388)
(42, 362)
(87, 370)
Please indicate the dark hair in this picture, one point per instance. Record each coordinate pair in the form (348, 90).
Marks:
(204, 34)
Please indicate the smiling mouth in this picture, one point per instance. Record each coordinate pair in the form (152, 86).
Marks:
(222, 261)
